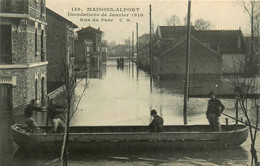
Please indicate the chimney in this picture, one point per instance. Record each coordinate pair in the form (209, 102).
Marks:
(99, 28)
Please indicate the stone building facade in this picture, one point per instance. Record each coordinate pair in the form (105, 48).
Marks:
(23, 62)
(60, 48)
(88, 46)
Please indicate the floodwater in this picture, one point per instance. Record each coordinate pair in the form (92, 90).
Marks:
(123, 97)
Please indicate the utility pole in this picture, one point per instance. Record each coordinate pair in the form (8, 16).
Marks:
(186, 88)
(129, 55)
(133, 53)
(150, 51)
(137, 51)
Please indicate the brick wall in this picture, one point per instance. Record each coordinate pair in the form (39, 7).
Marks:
(24, 90)
(23, 47)
(79, 51)
(19, 47)
(56, 32)
(36, 8)
(23, 54)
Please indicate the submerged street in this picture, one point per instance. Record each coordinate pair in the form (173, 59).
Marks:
(117, 97)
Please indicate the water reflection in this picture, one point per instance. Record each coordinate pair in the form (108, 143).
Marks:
(123, 97)
(236, 156)
(6, 146)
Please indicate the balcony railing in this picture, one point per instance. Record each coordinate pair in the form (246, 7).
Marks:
(6, 58)
(8, 6)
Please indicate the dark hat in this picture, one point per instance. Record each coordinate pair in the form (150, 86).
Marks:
(211, 93)
(153, 112)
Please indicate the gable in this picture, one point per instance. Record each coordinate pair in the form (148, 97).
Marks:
(226, 42)
(195, 43)
(89, 29)
(166, 32)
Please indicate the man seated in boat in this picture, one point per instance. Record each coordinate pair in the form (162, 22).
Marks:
(215, 108)
(28, 116)
(53, 112)
(157, 124)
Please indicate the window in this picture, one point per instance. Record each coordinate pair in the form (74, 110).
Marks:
(35, 87)
(42, 47)
(5, 44)
(42, 88)
(35, 41)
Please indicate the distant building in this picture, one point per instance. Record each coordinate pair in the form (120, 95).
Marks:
(104, 51)
(88, 47)
(23, 62)
(228, 43)
(60, 48)
(144, 39)
(170, 32)
(170, 59)
(144, 49)
(120, 51)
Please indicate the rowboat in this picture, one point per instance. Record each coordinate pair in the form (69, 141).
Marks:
(134, 137)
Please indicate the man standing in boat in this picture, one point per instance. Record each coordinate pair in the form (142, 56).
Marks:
(157, 124)
(28, 115)
(54, 115)
(215, 108)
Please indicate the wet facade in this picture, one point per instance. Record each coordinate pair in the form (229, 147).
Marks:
(120, 51)
(88, 47)
(227, 43)
(170, 59)
(23, 64)
(23, 52)
(60, 52)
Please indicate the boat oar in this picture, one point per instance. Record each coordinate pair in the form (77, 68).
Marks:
(240, 121)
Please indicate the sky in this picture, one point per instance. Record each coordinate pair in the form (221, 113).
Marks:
(224, 15)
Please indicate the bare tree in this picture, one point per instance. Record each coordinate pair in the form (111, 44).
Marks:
(201, 24)
(185, 21)
(126, 41)
(112, 43)
(246, 88)
(173, 21)
(72, 103)
(252, 8)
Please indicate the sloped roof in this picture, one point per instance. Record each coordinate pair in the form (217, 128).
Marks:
(120, 46)
(167, 45)
(226, 40)
(175, 43)
(89, 29)
(172, 31)
(49, 11)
